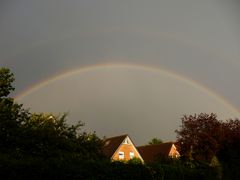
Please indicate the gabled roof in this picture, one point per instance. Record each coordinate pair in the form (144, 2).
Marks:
(110, 145)
(149, 153)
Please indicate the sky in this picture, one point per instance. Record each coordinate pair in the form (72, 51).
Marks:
(132, 67)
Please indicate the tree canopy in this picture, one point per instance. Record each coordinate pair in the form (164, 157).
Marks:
(204, 138)
(6, 80)
(200, 136)
(39, 134)
(155, 141)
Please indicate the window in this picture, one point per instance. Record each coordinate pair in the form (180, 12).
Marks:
(121, 155)
(131, 155)
(126, 141)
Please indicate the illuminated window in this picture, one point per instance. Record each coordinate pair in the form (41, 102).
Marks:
(121, 155)
(131, 155)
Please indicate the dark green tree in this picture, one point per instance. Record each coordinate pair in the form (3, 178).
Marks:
(12, 115)
(40, 135)
(6, 80)
(51, 137)
(155, 141)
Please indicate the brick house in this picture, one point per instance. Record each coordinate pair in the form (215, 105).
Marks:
(120, 148)
(150, 153)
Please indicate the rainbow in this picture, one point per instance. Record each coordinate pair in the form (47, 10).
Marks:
(174, 75)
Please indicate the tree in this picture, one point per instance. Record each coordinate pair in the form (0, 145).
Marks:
(204, 138)
(200, 136)
(155, 141)
(6, 79)
(230, 148)
(40, 135)
(49, 136)
(12, 115)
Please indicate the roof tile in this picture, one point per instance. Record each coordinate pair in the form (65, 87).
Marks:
(149, 153)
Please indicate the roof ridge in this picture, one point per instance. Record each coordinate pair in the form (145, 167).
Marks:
(117, 136)
(170, 142)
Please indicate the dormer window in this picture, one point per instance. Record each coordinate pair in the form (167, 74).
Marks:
(126, 141)
(107, 143)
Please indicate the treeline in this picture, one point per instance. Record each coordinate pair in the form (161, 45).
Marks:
(205, 139)
(44, 146)
(75, 169)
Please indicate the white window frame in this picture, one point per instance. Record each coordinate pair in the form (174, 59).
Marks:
(131, 155)
(120, 155)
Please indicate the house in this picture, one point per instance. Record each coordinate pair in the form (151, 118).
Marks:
(120, 148)
(150, 153)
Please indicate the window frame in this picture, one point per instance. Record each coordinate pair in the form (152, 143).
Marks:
(121, 155)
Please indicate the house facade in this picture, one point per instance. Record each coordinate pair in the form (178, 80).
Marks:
(120, 148)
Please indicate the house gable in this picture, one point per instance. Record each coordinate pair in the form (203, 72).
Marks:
(173, 153)
(121, 148)
(110, 145)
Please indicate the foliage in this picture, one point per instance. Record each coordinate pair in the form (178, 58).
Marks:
(134, 161)
(229, 154)
(52, 137)
(200, 136)
(205, 139)
(6, 79)
(40, 135)
(177, 169)
(155, 141)
(12, 115)
(28, 139)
